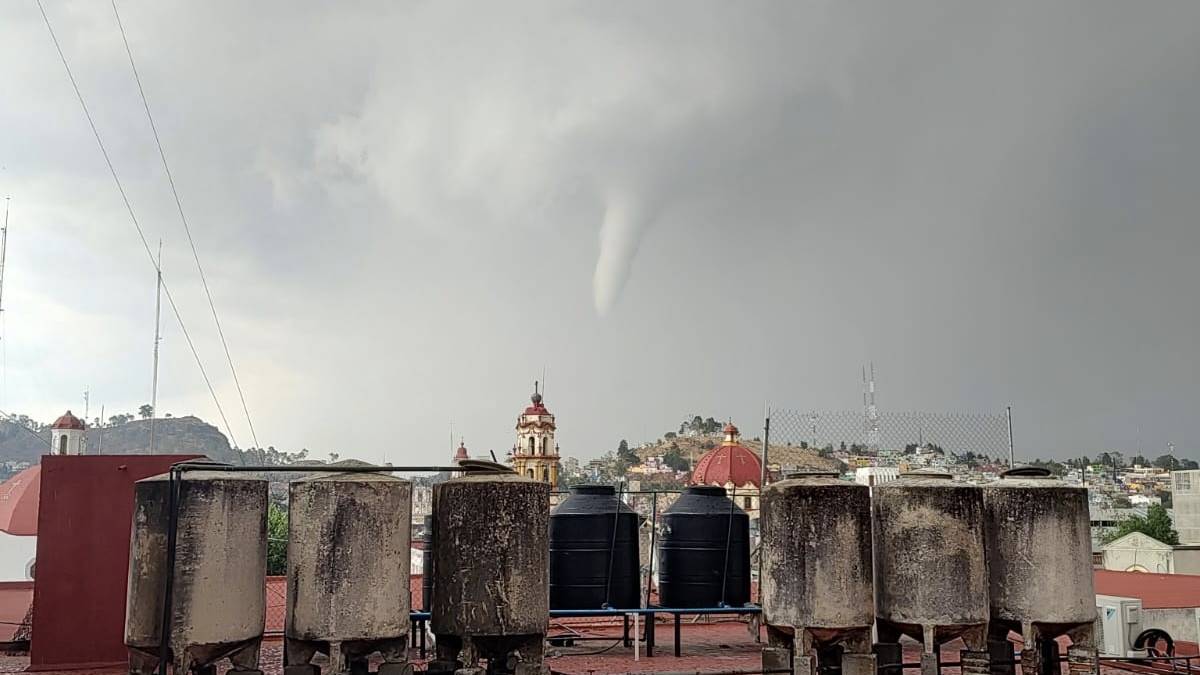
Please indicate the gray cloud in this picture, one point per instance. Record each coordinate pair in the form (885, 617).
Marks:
(408, 210)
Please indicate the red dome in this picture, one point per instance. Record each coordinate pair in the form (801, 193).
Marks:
(68, 421)
(728, 463)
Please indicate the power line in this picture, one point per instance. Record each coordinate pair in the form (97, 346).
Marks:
(9, 418)
(183, 218)
(132, 217)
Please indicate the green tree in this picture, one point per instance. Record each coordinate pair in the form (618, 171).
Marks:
(146, 411)
(1188, 465)
(1156, 523)
(1139, 460)
(674, 458)
(626, 455)
(1167, 463)
(277, 536)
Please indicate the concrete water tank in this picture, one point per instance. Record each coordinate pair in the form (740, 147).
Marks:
(1038, 540)
(931, 579)
(491, 563)
(816, 576)
(348, 572)
(218, 593)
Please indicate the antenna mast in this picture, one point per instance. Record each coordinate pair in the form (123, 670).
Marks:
(157, 339)
(3, 250)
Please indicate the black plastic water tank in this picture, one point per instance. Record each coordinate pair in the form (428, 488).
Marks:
(427, 564)
(692, 556)
(584, 547)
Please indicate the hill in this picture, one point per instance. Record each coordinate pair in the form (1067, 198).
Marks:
(784, 457)
(173, 435)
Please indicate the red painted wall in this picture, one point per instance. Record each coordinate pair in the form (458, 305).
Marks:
(84, 519)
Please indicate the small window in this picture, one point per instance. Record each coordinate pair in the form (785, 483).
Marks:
(531, 441)
(530, 472)
(62, 444)
(746, 501)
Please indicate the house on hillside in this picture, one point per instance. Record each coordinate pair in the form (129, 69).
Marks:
(1138, 552)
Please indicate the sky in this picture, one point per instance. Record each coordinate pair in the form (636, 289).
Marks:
(410, 211)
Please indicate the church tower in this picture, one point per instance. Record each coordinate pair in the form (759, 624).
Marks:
(68, 436)
(536, 454)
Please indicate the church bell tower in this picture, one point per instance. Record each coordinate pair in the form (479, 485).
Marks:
(536, 454)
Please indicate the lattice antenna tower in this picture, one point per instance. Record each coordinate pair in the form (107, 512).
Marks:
(870, 410)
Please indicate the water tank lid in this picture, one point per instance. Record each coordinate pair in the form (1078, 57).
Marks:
(593, 489)
(715, 490)
(1026, 472)
(477, 466)
(813, 473)
(927, 473)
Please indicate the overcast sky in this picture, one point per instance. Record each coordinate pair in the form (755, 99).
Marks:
(407, 210)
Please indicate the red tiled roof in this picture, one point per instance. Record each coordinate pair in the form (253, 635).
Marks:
(1156, 591)
(68, 421)
(19, 497)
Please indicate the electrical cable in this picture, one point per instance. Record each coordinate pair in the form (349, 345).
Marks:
(183, 218)
(129, 207)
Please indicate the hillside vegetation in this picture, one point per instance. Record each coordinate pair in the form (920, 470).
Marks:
(787, 457)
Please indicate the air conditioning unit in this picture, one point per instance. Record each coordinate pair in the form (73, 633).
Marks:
(1118, 622)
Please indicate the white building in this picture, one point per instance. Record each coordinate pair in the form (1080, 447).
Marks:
(875, 475)
(1185, 502)
(1137, 552)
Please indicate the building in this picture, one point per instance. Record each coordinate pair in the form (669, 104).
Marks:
(68, 436)
(536, 454)
(734, 467)
(1138, 552)
(876, 475)
(1185, 502)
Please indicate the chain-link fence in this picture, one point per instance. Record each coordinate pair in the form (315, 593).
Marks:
(982, 434)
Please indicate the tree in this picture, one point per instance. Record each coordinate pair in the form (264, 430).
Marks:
(669, 435)
(146, 411)
(1188, 465)
(1139, 460)
(1167, 463)
(674, 459)
(277, 535)
(626, 455)
(1156, 523)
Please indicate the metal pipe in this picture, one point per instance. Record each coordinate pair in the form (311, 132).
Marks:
(653, 538)
(192, 465)
(762, 488)
(612, 546)
(1012, 456)
(164, 645)
(728, 539)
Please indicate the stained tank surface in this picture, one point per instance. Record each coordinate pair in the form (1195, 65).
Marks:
(348, 567)
(693, 554)
(491, 555)
(816, 542)
(218, 596)
(1038, 538)
(930, 568)
(593, 551)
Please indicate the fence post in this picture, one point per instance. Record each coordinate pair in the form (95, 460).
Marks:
(1012, 457)
(762, 488)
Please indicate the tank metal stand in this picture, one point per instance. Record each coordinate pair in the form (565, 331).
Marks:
(200, 659)
(975, 657)
(350, 657)
(507, 655)
(802, 653)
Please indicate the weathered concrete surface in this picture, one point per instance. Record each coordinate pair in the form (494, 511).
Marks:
(816, 548)
(1039, 546)
(931, 580)
(491, 556)
(348, 557)
(218, 600)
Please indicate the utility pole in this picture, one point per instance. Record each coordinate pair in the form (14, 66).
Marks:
(100, 445)
(157, 339)
(87, 399)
